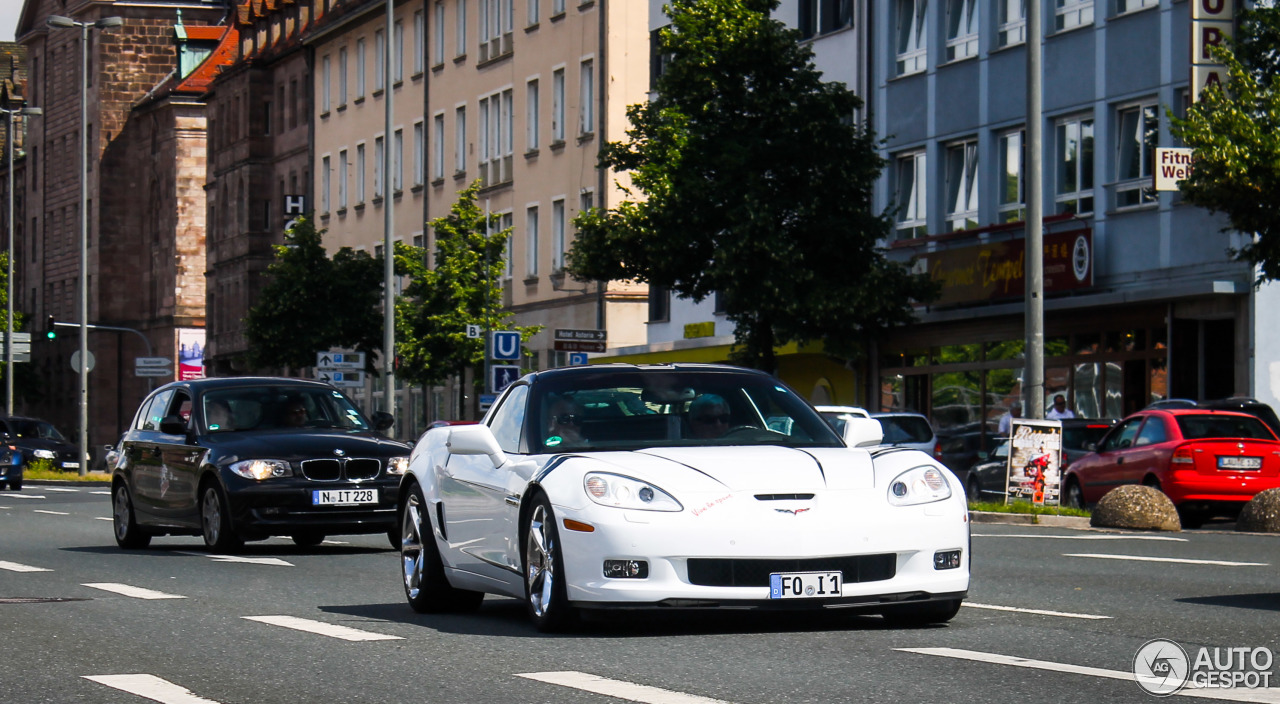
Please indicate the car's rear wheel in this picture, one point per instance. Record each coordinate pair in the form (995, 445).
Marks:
(307, 539)
(123, 520)
(425, 584)
(215, 520)
(2, 486)
(16, 485)
(1152, 482)
(928, 613)
(545, 594)
(1191, 518)
(1072, 494)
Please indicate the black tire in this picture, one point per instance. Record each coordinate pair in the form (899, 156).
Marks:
(2, 486)
(972, 490)
(16, 485)
(307, 539)
(1152, 482)
(393, 537)
(545, 595)
(926, 614)
(124, 521)
(1191, 519)
(215, 520)
(1073, 495)
(422, 572)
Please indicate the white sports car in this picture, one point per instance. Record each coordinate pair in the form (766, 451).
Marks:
(676, 486)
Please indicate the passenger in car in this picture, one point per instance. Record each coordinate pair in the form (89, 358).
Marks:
(217, 416)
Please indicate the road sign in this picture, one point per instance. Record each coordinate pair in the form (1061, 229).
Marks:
(153, 371)
(577, 359)
(568, 334)
(474, 331)
(152, 361)
(487, 400)
(18, 337)
(505, 345)
(75, 361)
(339, 360)
(501, 376)
(579, 346)
(341, 379)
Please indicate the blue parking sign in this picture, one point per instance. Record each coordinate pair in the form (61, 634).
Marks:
(504, 345)
(577, 359)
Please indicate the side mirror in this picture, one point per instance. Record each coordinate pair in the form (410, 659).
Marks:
(1091, 447)
(475, 440)
(863, 432)
(983, 455)
(383, 420)
(173, 425)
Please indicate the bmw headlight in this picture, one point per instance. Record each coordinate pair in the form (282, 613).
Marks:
(919, 485)
(45, 454)
(397, 465)
(261, 469)
(624, 492)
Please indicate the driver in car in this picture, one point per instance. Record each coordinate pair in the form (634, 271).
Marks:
(709, 416)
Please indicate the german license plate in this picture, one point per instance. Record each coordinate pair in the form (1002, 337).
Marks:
(71, 465)
(804, 585)
(1235, 462)
(334, 497)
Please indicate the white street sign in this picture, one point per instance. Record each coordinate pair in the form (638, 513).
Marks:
(18, 337)
(1173, 164)
(339, 360)
(153, 371)
(75, 361)
(341, 379)
(152, 361)
(474, 331)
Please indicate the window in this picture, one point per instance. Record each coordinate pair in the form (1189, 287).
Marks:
(324, 184)
(495, 138)
(418, 147)
(360, 67)
(360, 173)
(397, 161)
(379, 159)
(437, 36)
(586, 200)
(912, 47)
(531, 114)
(1123, 6)
(379, 61)
(962, 185)
(419, 37)
(342, 180)
(1075, 166)
(1012, 28)
(1137, 133)
(495, 28)
(557, 234)
(437, 147)
(659, 304)
(823, 16)
(557, 7)
(912, 220)
(294, 107)
(460, 140)
(1012, 193)
(1073, 13)
(342, 76)
(532, 6)
(504, 225)
(397, 53)
(460, 27)
(324, 85)
(587, 99)
(531, 240)
(557, 105)
(962, 29)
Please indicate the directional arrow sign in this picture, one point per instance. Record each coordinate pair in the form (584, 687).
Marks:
(340, 360)
(153, 371)
(151, 361)
(343, 379)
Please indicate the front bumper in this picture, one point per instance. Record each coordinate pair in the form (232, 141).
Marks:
(285, 506)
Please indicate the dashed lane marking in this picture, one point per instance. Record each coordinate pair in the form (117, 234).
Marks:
(135, 592)
(25, 496)
(321, 628)
(1179, 560)
(617, 688)
(51, 513)
(60, 489)
(1040, 612)
(1083, 537)
(274, 561)
(16, 567)
(150, 687)
(102, 518)
(101, 493)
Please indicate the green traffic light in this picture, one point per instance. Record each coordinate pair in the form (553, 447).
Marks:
(51, 335)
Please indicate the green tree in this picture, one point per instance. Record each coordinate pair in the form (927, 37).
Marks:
(1236, 136)
(756, 184)
(464, 288)
(313, 302)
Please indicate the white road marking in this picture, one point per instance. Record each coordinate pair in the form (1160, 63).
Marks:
(1033, 611)
(1271, 696)
(275, 561)
(16, 567)
(321, 628)
(51, 513)
(25, 496)
(334, 542)
(60, 489)
(102, 518)
(1084, 537)
(617, 688)
(1179, 560)
(101, 493)
(135, 592)
(150, 687)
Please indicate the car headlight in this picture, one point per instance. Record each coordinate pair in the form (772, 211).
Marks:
(397, 465)
(261, 469)
(919, 485)
(45, 454)
(624, 492)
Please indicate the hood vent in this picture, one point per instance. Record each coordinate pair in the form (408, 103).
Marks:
(784, 497)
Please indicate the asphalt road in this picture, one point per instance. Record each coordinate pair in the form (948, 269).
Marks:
(228, 629)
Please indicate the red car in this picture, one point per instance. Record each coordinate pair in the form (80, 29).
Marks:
(1207, 462)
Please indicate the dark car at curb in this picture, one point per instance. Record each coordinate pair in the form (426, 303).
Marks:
(239, 459)
(37, 439)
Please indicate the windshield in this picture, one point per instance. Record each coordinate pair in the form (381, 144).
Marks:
(35, 429)
(629, 410)
(279, 407)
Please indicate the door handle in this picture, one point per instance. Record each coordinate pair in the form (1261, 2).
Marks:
(1119, 460)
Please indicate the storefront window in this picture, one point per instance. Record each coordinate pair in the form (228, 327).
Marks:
(1088, 343)
(1006, 349)
(956, 400)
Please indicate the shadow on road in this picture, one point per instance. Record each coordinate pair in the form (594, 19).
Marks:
(1263, 602)
(249, 550)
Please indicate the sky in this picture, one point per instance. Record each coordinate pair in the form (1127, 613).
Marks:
(9, 11)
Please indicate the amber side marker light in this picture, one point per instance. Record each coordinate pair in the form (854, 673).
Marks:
(579, 526)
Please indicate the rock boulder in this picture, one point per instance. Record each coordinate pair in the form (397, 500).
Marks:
(1261, 514)
(1136, 507)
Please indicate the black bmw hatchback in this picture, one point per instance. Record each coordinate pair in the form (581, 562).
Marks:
(247, 458)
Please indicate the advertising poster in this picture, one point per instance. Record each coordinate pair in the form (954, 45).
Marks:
(190, 353)
(1035, 462)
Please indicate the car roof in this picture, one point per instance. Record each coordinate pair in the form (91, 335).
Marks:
(240, 381)
(591, 369)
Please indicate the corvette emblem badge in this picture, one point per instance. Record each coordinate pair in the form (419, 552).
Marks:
(792, 511)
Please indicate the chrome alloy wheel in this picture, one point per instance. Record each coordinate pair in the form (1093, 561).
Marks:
(122, 516)
(412, 555)
(211, 516)
(539, 558)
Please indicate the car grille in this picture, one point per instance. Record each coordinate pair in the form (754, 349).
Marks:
(718, 572)
(333, 470)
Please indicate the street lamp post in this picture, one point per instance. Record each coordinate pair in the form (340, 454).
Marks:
(104, 23)
(8, 335)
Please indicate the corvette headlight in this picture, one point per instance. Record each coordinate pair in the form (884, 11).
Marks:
(919, 485)
(45, 454)
(397, 465)
(261, 469)
(624, 492)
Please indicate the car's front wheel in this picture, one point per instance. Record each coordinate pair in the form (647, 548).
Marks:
(545, 593)
(1073, 495)
(926, 614)
(128, 534)
(973, 490)
(425, 584)
(307, 539)
(215, 520)
(16, 485)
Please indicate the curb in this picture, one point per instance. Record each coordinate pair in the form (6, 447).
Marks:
(67, 482)
(1027, 519)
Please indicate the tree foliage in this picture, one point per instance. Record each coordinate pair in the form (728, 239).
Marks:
(464, 288)
(757, 184)
(315, 302)
(1236, 136)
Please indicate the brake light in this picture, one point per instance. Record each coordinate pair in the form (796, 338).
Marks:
(937, 451)
(1183, 455)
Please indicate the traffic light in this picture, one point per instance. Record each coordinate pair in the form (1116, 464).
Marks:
(50, 331)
